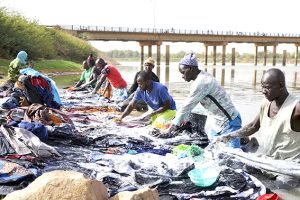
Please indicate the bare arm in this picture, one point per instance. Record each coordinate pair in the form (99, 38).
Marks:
(128, 109)
(98, 84)
(79, 83)
(106, 87)
(295, 121)
(165, 107)
(92, 80)
(247, 130)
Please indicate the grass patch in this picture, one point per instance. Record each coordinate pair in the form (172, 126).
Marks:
(52, 66)
(4, 66)
(47, 66)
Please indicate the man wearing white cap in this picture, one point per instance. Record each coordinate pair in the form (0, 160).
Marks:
(214, 99)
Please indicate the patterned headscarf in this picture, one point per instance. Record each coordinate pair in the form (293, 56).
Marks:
(189, 60)
(22, 56)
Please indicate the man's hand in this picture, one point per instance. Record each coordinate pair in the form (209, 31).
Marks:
(170, 132)
(222, 138)
(117, 120)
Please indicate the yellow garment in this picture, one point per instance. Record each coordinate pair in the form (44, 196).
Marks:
(163, 120)
(278, 139)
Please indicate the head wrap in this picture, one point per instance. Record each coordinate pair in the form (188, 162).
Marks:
(189, 60)
(22, 56)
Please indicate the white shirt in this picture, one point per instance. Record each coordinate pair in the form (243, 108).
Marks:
(206, 91)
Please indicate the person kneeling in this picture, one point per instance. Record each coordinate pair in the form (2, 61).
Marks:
(157, 97)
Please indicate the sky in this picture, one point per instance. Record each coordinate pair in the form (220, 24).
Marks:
(270, 16)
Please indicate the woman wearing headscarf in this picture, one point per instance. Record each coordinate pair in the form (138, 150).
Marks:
(13, 72)
(14, 67)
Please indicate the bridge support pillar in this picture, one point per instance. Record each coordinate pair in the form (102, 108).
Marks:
(214, 55)
(265, 55)
(205, 55)
(142, 57)
(233, 56)
(149, 50)
(255, 56)
(296, 55)
(223, 54)
(284, 58)
(274, 55)
(158, 61)
(167, 69)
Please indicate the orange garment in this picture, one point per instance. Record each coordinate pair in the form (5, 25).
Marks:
(107, 93)
(55, 119)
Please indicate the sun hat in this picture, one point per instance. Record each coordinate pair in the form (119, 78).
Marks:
(150, 61)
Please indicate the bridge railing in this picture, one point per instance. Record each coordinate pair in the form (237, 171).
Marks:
(172, 31)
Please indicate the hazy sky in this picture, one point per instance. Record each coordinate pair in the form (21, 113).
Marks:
(270, 16)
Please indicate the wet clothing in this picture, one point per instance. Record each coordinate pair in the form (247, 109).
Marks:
(134, 86)
(114, 76)
(86, 75)
(233, 125)
(157, 97)
(279, 140)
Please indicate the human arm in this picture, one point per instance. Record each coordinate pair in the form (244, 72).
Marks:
(98, 84)
(161, 109)
(134, 85)
(79, 83)
(198, 92)
(247, 130)
(81, 80)
(107, 85)
(128, 109)
(295, 121)
(92, 79)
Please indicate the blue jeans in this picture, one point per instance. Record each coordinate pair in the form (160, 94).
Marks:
(233, 125)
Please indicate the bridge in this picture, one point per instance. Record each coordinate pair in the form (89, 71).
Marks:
(150, 36)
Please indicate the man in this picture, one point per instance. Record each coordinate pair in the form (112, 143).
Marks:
(278, 120)
(156, 95)
(85, 76)
(114, 78)
(141, 105)
(149, 65)
(214, 99)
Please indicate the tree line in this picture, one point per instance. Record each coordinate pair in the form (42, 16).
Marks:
(18, 33)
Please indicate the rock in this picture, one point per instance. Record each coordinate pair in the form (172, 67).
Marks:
(142, 194)
(62, 185)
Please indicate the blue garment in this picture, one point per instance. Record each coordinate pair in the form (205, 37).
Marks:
(233, 125)
(36, 128)
(22, 56)
(34, 73)
(156, 98)
(9, 103)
